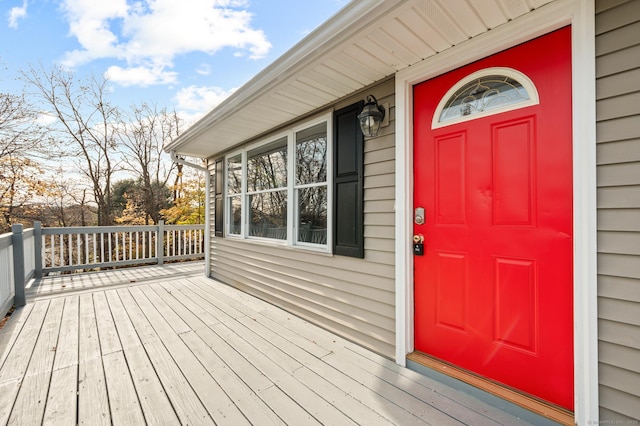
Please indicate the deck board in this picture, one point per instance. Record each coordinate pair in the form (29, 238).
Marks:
(31, 401)
(16, 361)
(67, 347)
(93, 402)
(212, 396)
(184, 399)
(255, 409)
(11, 331)
(63, 396)
(108, 335)
(61, 405)
(153, 399)
(394, 402)
(123, 400)
(169, 346)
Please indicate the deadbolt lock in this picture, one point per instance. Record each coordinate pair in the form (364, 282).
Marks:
(419, 216)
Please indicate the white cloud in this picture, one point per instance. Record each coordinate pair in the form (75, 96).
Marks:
(151, 33)
(200, 99)
(16, 13)
(140, 76)
(204, 69)
(45, 118)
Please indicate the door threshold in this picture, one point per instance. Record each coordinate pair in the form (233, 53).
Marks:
(541, 408)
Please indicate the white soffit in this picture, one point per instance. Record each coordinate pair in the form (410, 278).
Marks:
(365, 42)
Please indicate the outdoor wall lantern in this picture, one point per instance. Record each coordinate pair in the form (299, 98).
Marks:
(371, 117)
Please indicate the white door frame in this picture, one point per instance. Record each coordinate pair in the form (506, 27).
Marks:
(581, 15)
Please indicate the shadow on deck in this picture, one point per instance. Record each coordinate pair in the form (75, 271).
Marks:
(166, 345)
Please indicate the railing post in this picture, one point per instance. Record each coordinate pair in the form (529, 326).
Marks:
(160, 243)
(17, 239)
(37, 247)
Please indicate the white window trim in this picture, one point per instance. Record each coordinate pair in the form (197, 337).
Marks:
(521, 78)
(309, 246)
(292, 207)
(225, 194)
(580, 14)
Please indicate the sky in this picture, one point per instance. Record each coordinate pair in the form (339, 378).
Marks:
(183, 54)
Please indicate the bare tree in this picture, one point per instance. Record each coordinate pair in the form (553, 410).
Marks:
(143, 133)
(65, 204)
(20, 134)
(21, 141)
(86, 121)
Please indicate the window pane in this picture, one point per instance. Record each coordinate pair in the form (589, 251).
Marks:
(235, 215)
(484, 94)
(268, 215)
(234, 175)
(267, 166)
(312, 217)
(311, 155)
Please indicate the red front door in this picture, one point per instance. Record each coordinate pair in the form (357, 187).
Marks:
(493, 291)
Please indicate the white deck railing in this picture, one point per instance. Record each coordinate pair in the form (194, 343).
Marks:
(38, 251)
(7, 289)
(17, 265)
(83, 248)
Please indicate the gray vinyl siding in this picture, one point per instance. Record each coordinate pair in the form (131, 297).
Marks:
(354, 298)
(618, 177)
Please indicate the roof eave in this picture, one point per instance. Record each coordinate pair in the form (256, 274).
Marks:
(339, 28)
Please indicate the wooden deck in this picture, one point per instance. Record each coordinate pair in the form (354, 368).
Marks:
(165, 345)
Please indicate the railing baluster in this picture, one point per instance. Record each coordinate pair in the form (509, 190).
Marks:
(62, 250)
(86, 248)
(70, 249)
(52, 242)
(52, 250)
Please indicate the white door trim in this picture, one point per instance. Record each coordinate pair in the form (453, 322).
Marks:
(581, 15)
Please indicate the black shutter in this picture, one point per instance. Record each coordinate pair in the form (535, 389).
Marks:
(219, 199)
(348, 182)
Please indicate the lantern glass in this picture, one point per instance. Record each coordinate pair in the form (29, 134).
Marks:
(371, 117)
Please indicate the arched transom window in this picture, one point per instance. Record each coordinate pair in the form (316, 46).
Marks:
(485, 92)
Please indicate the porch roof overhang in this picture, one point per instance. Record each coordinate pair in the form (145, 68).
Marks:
(367, 41)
